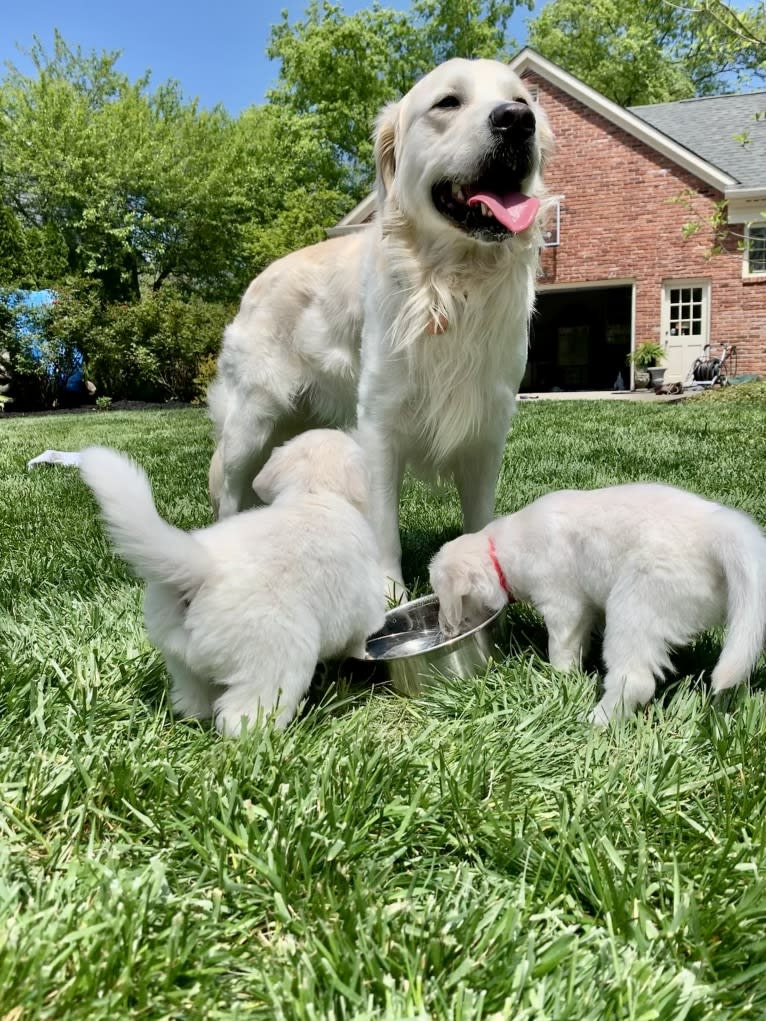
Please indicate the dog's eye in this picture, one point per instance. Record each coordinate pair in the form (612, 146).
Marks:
(520, 99)
(446, 103)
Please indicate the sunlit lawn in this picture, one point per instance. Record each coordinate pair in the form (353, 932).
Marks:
(479, 854)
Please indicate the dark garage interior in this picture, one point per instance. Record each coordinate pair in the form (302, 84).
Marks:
(579, 340)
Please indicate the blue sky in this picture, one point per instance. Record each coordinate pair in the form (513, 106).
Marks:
(217, 51)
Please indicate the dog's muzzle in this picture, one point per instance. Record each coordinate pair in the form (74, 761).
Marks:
(513, 122)
(492, 206)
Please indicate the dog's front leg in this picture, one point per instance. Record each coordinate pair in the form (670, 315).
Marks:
(386, 467)
(476, 473)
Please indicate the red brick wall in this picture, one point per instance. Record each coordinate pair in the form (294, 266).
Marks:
(617, 222)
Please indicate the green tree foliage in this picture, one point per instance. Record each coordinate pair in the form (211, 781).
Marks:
(14, 261)
(295, 185)
(131, 187)
(342, 68)
(117, 172)
(650, 52)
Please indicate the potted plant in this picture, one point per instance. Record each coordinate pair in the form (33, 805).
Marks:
(645, 360)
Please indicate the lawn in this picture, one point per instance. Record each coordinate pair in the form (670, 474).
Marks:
(478, 854)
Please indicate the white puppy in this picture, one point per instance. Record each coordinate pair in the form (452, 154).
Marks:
(418, 324)
(243, 610)
(656, 563)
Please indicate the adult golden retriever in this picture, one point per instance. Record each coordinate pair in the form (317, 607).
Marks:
(416, 326)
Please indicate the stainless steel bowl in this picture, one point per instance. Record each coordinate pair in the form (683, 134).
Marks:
(414, 652)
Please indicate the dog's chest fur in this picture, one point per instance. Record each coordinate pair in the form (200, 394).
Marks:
(456, 350)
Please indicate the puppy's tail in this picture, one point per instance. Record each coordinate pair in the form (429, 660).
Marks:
(741, 552)
(156, 550)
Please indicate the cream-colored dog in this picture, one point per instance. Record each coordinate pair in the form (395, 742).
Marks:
(243, 610)
(656, 563)
(418, 324)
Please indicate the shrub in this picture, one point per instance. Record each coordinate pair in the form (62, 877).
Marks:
(188, 336)
(205, 376)
(155, 349)
(160, 348)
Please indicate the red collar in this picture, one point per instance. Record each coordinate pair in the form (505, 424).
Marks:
(499, 571)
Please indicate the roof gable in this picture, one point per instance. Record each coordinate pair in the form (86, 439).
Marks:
(639, 127)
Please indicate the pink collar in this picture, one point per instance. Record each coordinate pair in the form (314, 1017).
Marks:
(499, 571)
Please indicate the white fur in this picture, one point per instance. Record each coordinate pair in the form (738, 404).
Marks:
(656, 564)
(342, 327)
(243, 610)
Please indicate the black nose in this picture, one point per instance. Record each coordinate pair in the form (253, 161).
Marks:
(514, 120)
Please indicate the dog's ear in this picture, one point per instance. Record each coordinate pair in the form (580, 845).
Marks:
(357, 481)
(386, 130)
(544, 135)
(268, 483)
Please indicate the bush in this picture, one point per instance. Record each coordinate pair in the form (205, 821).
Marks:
(160, 348)
(156, 349)
(203, 379)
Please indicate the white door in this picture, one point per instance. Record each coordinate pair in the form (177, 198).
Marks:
(685, 325)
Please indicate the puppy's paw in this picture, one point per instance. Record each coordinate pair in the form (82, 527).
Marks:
(448, 629)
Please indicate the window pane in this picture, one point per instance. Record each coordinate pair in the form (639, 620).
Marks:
(756, 249)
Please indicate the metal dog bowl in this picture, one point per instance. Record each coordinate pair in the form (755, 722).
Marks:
(413, 651)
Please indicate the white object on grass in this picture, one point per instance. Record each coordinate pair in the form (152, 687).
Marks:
(66, 457)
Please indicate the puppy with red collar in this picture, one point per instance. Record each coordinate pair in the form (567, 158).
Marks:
(655, 564)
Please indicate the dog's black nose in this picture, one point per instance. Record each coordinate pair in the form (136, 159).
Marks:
(513, 119)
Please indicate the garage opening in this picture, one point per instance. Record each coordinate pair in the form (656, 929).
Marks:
(579, 340)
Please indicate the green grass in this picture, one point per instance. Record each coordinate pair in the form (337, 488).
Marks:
(478, 854)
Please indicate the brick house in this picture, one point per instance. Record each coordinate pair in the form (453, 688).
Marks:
(619, 265)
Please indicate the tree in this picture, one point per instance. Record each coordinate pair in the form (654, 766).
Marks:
(131, 186)
(14, 258)
(295, 186)
(747, 26)
(343, 68)
(650, 52)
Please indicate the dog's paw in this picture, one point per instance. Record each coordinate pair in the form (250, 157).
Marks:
(598, 717)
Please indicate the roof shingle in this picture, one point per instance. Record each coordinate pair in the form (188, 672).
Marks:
(709, 127)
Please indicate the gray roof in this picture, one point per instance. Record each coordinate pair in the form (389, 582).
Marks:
(708, 127)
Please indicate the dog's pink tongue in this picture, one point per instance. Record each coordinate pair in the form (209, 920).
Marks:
(515, 210)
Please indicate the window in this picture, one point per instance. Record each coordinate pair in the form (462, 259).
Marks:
(685, 311)
(755, 249)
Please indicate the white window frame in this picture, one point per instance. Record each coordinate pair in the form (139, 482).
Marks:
(746, 270)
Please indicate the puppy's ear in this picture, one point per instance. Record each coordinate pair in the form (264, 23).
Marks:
(357, 481)
(268, 483)
(386, 131)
